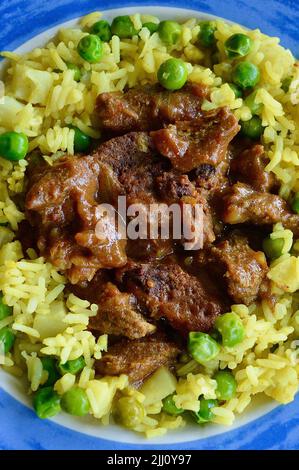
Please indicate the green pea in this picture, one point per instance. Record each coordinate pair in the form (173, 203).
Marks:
(46, 403)
(170, 407)
(246, 75)
(205, 412)
(237, 91)
(273, 247)
(238, 45)
(231, 328)
(5, 310)
(82, 142)
(202, 347)
(255, 108)
(152, 27)
(129, 412)
(13, 146)
(295, 204)
(169, 32)
(252, 128)
(76, 70)
(102, 29)
(49, 365)
(75, 402)
(90, 48)
(173, 74)
(286, 84)
(123, 27)
(206, 34)
(7, 339)
(72, 367)
(226, 385)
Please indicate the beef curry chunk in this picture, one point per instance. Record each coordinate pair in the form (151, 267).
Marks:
(148, 108)
(133, 164)
(242, 269)
(204, 140)
(242, 204)
(171, 187)
(138, 358)
(118, 315)
(166, 291)
(61, 206)
(149, 249)
(249, 167)
(137, 171)
(211, 178)
(118, 312)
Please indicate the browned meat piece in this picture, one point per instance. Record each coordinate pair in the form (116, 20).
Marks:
(139, 358)
(118, 312)
(211, 178)
(139, 172)
(61, 206)
(149, 249)
(242, 269)
(167, 291)
(118, 315)
(208, 235)
(201, 141)
(204, 175)
(249, 167)
(242, 204)
(172, 187)
(131, 161)
(149, 107)
(133, 164)
(92, 290)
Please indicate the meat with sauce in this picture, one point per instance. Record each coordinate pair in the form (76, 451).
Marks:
(249, 168)
(205, 140)
(148, 108)
(171, 187)
(210, 178)
(133, 164)
(166, 291)
(240, 268)
(61, 205)
(118, 312)
(242, 204)
(138, 358)
(118, 315)
(137, 171)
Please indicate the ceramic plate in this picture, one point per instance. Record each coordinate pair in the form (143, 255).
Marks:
(25, 25)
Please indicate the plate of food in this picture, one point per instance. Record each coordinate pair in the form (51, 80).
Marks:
(149, 226)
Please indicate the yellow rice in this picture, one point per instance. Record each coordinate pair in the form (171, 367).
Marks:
(41, 103)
